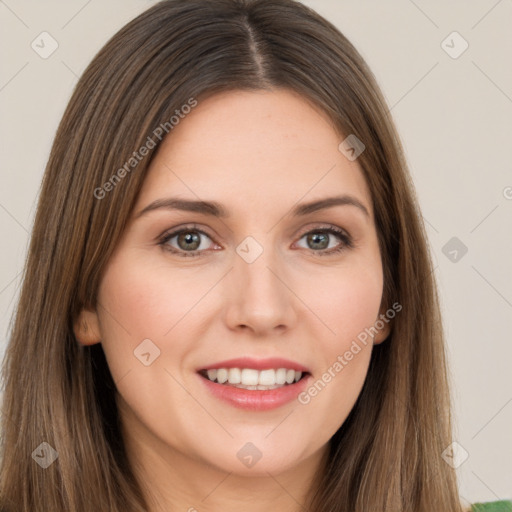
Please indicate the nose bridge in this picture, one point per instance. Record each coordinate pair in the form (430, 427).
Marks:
(260, 299)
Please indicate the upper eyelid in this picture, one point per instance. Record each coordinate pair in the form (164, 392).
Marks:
(193, 227)
(171, 233)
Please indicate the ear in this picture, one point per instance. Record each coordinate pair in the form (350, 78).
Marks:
(87, 327)
(383, 326)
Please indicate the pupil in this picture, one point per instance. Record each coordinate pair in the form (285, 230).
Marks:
(189, 238)
(319, 238)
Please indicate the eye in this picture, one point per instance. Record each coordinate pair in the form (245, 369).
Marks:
(319, 240)
(187, 241)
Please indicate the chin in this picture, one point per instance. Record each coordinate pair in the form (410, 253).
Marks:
(258, 459)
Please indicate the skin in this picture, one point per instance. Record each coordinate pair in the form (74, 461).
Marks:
(258, 154)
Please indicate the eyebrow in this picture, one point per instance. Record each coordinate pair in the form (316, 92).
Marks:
(215, 209)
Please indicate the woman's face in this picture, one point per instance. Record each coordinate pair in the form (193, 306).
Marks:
(255, 287)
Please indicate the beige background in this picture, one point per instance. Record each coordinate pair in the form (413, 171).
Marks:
(454, 116)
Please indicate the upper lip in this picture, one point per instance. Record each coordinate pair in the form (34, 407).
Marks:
(257, 364)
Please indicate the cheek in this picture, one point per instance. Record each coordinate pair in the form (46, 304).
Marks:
(347, 302)
(348, 306)
(146, 299)
(140, 299)
(138, 303)
(135, 303)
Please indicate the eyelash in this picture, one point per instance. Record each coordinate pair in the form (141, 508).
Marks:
(347, 242)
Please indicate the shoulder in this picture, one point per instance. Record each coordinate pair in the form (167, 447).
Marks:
(494, 506)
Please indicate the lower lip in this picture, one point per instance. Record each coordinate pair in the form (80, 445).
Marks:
(256, 400)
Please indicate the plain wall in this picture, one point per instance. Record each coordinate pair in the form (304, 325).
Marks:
(454, 117)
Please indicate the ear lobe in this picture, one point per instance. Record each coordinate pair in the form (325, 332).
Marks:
(87, 327)
(383, 331)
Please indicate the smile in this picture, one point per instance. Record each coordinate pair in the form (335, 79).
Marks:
(252, 379)
(255, 384)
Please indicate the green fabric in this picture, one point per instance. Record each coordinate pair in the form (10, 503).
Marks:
(495, 506)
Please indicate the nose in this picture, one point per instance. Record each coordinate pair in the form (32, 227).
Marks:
(260, 298)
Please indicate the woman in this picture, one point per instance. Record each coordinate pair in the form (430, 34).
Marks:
(228, 301)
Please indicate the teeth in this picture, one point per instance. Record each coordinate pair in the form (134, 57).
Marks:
(248, 378)
(267, 378)
(222, 375)
(281, 376)
(235, 376)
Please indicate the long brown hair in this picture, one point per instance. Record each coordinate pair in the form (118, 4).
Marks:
(387, 454)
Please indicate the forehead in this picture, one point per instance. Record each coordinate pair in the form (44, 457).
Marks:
(261, 148)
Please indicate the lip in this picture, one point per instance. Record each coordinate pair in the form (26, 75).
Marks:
(256, 400)
(258, 364)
